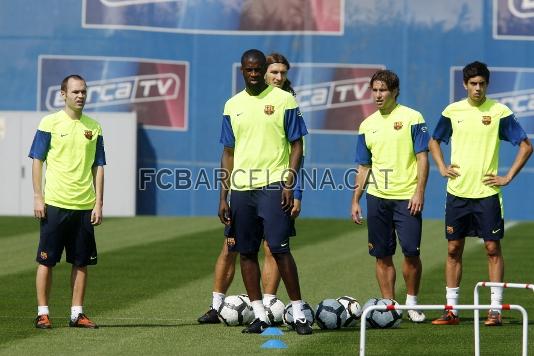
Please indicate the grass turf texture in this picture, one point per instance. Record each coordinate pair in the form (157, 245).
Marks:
(154, 278)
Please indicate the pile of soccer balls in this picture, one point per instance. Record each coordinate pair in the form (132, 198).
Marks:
(330, 314)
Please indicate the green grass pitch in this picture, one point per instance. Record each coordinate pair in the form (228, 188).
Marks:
(154, 278)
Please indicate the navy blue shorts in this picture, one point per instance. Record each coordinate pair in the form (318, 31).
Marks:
(257, 214)
(388, 219)
(474, 217)
(70, 230)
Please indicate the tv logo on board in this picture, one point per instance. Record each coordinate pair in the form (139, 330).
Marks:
(513, 87)
(118, 91)
(334, 94)
(523, 8)
(155, 89)
(513, 19)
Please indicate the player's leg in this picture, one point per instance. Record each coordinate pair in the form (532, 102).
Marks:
(458, 225)
(248, 230)
(270, 276)
(81, 252)
(409, 229)
(223, 277)
(489, 219)
(382, 242)
(277, 229)
(386, 276)
(48, 254)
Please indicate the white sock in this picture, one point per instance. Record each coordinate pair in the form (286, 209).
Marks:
(496, 296)
(217, 300)
(411, 299)
(42, 310)
(267, 298)
(453, 294)
(74, 311)
(298, 314)
(259, 310)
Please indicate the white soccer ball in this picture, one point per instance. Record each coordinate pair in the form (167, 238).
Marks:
(306, 309)
(275, 311)
(382, 319)
(353, 308)
(330, 314)
(234, 310)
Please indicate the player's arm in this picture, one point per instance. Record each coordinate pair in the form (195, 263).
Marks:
(295, 157)
(297, 193)
(360, 180)
(420, 139)
(39, 210)
(227, 166)
(417, 201)
(523, 154)
(442, 133)
(98, 183)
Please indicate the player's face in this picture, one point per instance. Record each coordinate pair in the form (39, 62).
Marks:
(75, 95)
(383, 97)
(276, 74)
(476, 89)
(253, 73)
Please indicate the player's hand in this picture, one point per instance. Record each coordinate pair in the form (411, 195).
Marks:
(39, 208)
(295, 211)
(287, 200)
(415, 204)
(356, 213)
(493, 180)
(224, 212)
(96, 216)
(450, 171)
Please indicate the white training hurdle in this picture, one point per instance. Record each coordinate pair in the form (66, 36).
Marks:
(477, 313)
(445, 307)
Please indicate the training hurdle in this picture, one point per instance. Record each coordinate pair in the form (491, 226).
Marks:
(476, 314)
(444, 307)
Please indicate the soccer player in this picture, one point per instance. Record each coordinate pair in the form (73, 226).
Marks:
(392, 158)
(72, 146)
(276, 75)
(262, 132)
(475, 126)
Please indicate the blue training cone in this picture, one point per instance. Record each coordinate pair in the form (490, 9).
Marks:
(270, 331)
(274, 344)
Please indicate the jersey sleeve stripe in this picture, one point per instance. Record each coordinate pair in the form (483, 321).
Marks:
(511, 131)
(294, 125)
(40, 145)
(227, 134)
(420, 137)
(363, 154)
(100, 154)
(443, 130)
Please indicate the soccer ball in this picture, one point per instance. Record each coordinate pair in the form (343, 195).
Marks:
(354, 310)
(330, 314)
(275, 311)
(382, 319)
(246, 299)
(306, 309)
(234, 310)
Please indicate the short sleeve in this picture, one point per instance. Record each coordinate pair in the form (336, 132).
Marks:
(443, 130)
(363, 154)
(511, 131)
(227, 134)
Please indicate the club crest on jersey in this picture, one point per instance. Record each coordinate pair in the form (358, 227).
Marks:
(486, 120)
(88, 134)
(397, 125)
(269, 109)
